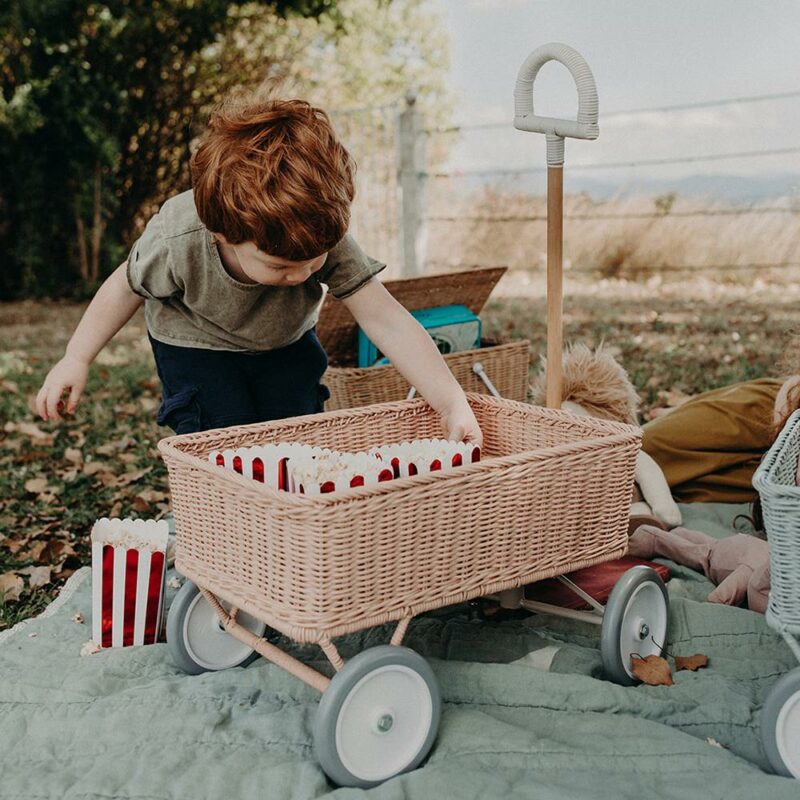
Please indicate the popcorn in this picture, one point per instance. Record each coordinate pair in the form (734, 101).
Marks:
(333, 472)
(128, 571)
(426, 455)
(307, 469)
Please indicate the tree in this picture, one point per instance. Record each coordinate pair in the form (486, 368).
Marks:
(97, 109)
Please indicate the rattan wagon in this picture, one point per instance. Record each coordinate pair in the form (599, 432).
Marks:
(550, 495)
(776, 482)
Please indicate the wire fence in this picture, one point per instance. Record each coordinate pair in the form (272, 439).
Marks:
(416, 218)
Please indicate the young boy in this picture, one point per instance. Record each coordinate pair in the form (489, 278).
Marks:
(230, 274)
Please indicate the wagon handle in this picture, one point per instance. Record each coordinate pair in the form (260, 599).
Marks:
(555, 130)
(584, 127)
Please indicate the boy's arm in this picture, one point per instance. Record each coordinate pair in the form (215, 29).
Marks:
(412, 351)
(113, 305)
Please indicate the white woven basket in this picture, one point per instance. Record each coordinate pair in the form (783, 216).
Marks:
(775, 480)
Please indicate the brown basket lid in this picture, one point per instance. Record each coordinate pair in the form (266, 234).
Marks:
(337, 328)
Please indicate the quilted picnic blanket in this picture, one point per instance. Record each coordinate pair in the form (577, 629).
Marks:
(527, 713)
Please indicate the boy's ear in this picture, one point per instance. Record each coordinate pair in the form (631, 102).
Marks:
(219, 238)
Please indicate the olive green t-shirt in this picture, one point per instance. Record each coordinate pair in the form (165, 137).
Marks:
(192, 301)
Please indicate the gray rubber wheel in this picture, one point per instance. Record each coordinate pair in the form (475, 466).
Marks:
(780, 725)
(635, 621)
(378, 718)
(198, 642)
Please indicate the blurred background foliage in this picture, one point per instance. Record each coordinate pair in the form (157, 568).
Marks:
(100, 104)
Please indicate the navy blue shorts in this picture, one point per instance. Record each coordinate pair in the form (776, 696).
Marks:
(205, 389)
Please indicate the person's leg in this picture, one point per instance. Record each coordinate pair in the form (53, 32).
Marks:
(286, 381)
(709, 447)
(202, 389)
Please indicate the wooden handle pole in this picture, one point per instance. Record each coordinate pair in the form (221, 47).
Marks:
(555, 292)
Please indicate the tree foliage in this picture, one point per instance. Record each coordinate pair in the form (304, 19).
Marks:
(97, 109)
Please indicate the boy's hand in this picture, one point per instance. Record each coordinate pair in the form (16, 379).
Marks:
(460, 425)
(68, 374)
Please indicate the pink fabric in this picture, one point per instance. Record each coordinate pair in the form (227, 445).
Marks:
(739, 564)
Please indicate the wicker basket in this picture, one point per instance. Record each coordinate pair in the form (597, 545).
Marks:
(550, 495)
(775, 480)
(506, 364)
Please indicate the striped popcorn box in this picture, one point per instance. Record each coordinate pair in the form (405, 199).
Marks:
(128, 571)
(263, 463)
(426, 455)
(334, 472)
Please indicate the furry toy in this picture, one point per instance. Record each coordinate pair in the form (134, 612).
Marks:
(739, 564)
(595, 384)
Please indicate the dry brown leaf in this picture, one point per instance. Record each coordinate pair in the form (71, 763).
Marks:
(139, 504)
(35, 432)
(12, 545)
(693, 663)
(107, 449)
(652, 670)
(93, 467)
(132, 477)
(73, 455)
(36, 485)
(37, 576)
(11, 586)
(10, 386)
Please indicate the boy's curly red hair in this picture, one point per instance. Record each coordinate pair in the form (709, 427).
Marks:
(273, 172)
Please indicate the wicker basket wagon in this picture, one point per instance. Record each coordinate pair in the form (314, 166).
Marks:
(776, 482)
(550, 495)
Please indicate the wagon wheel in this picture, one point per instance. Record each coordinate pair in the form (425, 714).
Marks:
(634, 622)
(378, 718)
(780, 725)
(198, 642)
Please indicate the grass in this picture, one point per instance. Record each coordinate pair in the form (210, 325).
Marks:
(57, 478)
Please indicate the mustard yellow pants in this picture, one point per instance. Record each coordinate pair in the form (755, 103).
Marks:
(710, 446)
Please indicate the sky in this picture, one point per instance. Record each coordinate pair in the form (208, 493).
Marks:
(643, 53)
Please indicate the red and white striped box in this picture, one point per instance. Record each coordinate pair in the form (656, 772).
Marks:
(264, 463)
(426, 455)
(128, 572)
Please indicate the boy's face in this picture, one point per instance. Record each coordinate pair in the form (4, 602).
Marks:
(254, 265)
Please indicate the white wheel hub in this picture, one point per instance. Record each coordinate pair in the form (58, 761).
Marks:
(206, 640)
(787, 734)
(384, 722)
(644, 624)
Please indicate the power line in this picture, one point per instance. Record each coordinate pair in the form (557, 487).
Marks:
(617, 164)
(720, 212)
(653, 109)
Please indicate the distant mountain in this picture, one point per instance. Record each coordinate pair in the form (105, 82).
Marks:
(729, 187)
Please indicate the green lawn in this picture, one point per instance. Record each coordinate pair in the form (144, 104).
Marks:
(56, 479)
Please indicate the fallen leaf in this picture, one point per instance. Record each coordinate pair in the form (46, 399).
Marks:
(37, 576)
(693, 663)
(77, 618)
(73, 455)
(10, 386)
(93, 467)
(652, 670)
(11, 586)
(36, 485)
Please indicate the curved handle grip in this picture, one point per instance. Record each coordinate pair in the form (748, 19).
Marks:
(584, 127)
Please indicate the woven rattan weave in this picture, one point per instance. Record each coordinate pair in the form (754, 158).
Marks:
(550, 495)
(776, 482)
